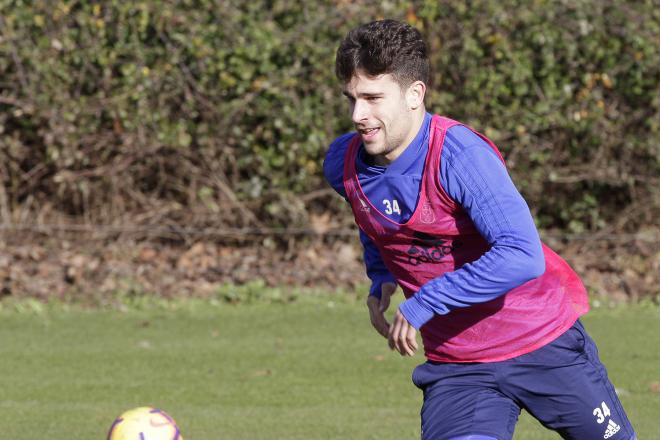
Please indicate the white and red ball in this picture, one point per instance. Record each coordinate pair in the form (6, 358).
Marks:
(144, 423)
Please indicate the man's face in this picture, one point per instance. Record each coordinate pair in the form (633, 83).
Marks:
(381, 113)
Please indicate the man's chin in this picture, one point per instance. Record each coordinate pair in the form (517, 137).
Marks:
(373, 148)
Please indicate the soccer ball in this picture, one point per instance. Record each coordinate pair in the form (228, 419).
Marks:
(144, 423)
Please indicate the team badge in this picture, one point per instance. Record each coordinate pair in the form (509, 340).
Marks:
(427, 216)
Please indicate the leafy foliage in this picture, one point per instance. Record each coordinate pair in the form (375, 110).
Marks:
(203, 113)
(569, 92)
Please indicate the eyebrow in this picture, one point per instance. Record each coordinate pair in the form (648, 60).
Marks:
(363, 95)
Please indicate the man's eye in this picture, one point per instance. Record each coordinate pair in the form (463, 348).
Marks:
(373, 98)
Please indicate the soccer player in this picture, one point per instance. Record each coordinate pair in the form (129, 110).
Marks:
(439, 216)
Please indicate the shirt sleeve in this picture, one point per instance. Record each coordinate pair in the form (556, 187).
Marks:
(476, 178)
(333, 169)
(333, 165)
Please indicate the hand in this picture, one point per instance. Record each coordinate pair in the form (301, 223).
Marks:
(377, 308)
(402, 336)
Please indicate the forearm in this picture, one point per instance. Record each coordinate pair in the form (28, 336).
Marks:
(504, 267)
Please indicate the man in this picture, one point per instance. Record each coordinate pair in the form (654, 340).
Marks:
(439, 216)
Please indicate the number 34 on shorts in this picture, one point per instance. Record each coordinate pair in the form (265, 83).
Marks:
(602, 414)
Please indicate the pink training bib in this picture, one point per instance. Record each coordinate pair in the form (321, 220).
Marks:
(440, 237)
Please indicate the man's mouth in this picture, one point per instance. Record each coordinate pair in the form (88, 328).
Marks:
(369, 133)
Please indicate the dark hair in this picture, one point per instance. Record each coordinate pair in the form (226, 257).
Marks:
(385, 46)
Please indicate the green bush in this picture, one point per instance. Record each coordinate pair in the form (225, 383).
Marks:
(204, 113)
(568, 90)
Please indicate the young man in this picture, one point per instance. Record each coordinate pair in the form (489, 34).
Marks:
(439, 216)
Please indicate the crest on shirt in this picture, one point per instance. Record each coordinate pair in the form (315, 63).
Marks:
(427, 216)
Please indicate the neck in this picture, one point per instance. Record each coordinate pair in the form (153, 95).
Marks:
(417, 119)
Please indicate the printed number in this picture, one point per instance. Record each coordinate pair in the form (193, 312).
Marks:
(601, 413)
(391, 207)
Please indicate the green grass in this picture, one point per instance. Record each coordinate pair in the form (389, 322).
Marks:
(312, 369)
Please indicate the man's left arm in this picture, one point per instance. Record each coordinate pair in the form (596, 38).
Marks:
(476, 178)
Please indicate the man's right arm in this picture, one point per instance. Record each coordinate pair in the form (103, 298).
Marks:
(333, 169)
(383, 283)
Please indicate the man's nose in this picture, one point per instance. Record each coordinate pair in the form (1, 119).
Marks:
(360, 111)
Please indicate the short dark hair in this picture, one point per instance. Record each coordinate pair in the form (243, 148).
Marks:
(384, 46)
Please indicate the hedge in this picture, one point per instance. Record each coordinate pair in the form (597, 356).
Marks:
(218, 113)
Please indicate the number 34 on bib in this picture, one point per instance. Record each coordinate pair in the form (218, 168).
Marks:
(391, 206)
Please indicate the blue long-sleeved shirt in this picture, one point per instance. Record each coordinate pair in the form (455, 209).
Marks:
(473, 176)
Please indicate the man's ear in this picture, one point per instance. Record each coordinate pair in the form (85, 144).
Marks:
(415, 95)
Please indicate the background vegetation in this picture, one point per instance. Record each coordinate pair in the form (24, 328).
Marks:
(218, 113)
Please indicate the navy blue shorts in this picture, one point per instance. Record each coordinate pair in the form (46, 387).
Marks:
(563, 385)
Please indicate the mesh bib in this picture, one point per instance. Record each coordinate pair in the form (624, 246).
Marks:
(440, 237)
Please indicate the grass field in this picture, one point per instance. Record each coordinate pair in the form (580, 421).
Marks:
(312, 369)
